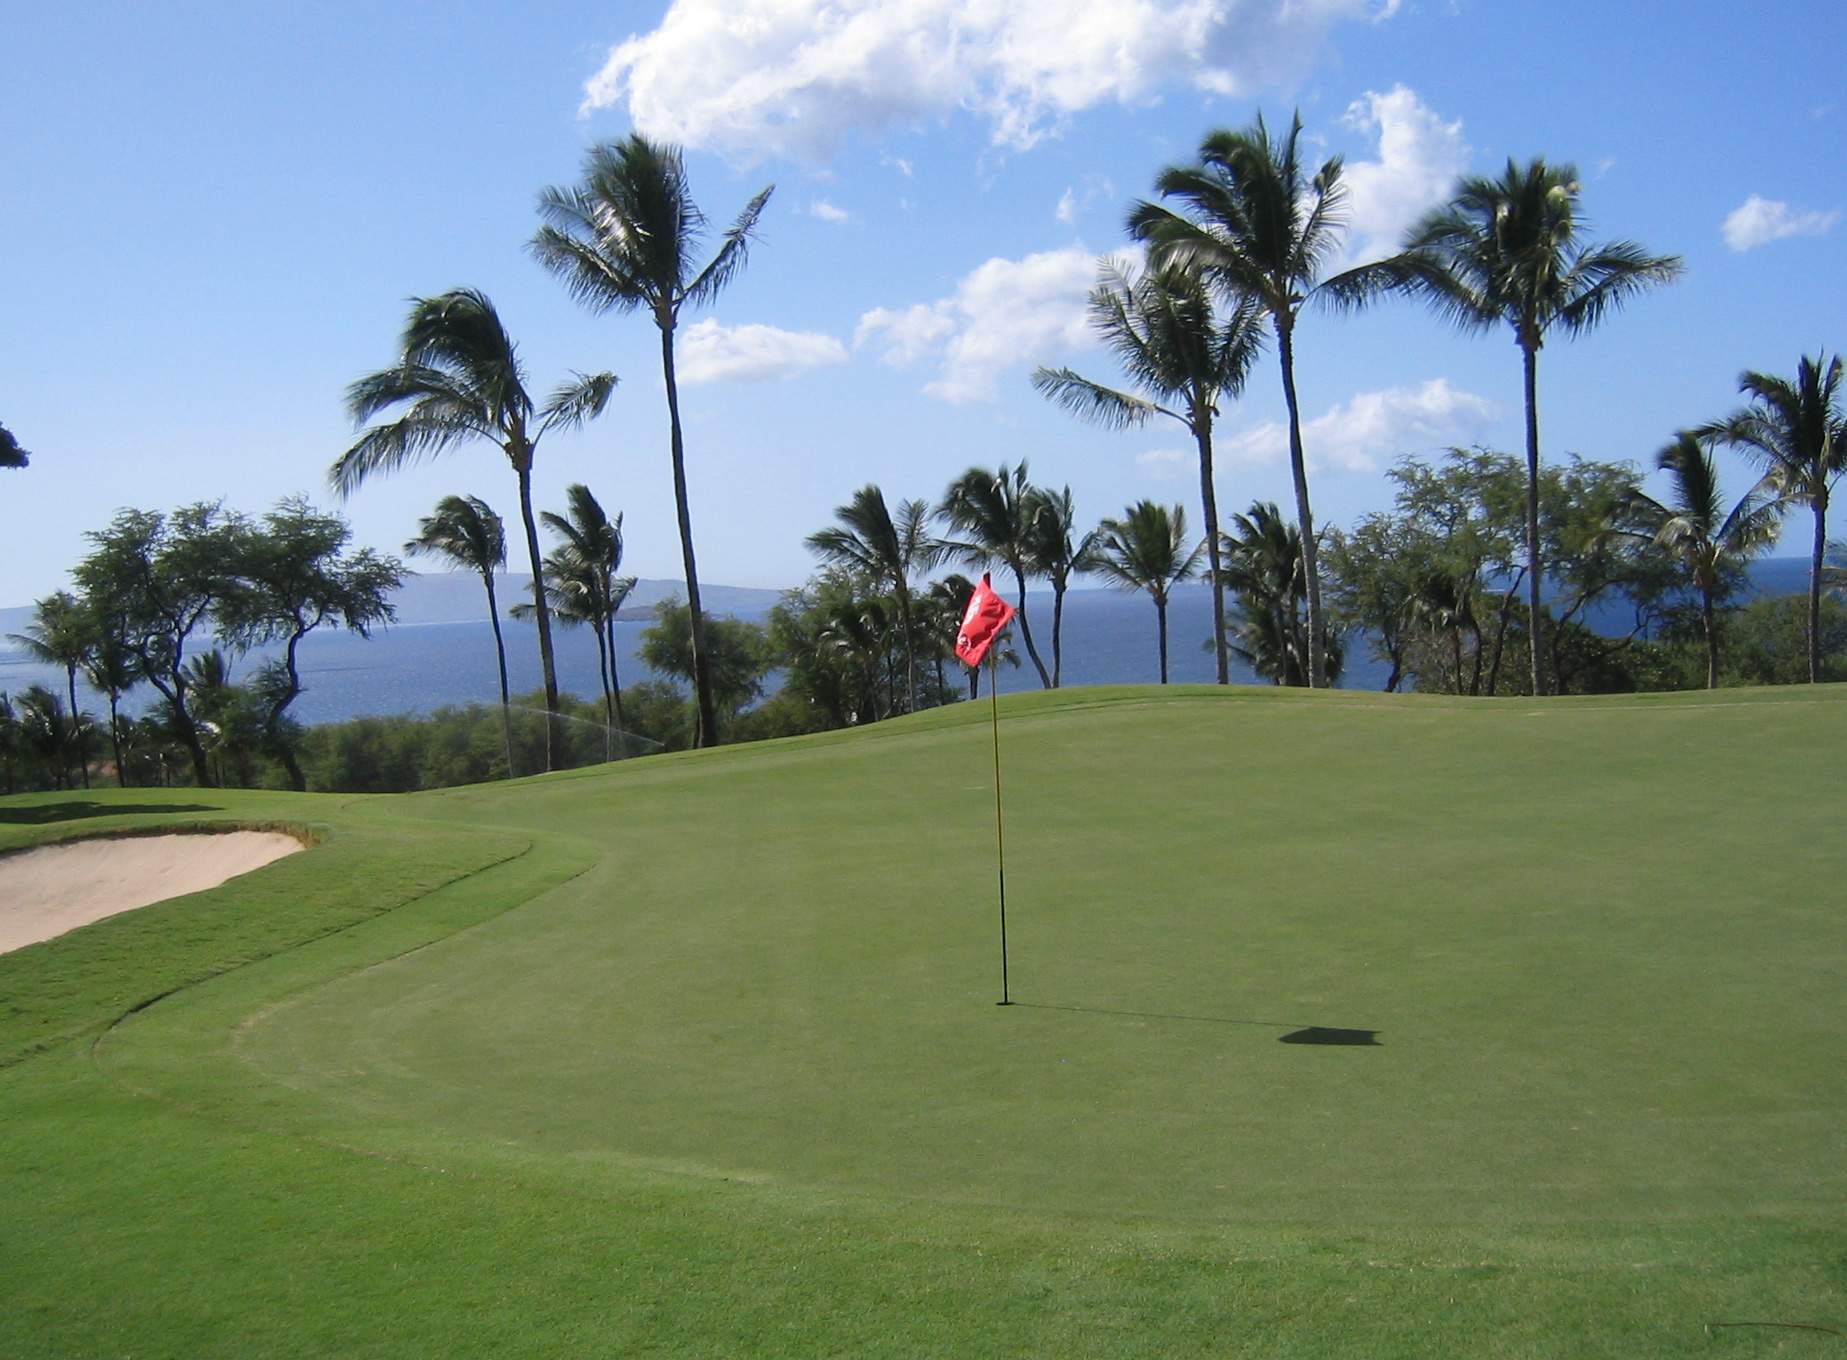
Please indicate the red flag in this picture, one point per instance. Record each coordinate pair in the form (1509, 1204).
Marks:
(987, 614)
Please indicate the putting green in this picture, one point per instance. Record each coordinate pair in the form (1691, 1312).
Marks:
(1601, 942)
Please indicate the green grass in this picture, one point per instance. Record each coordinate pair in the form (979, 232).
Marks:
(698, 1055)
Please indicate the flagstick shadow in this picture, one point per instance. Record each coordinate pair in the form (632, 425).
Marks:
(1299, 1034)
(1156, 1015)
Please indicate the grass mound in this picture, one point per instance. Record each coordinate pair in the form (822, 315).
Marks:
(712, 1067)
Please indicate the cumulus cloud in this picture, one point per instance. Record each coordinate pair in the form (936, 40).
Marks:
(1006, 312)
(751, 78)
(827, 212)
(1759, 221)
(709, 352)
(1354, 436)
(1420, 157)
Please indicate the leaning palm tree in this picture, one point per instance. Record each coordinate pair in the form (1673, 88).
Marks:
(888, 551)
(63, 633)
(1508, 251)
(1711, 542)
(624, 240)
(466, 531)
(589, 556)
(1147, 550)
(459, 379)
(994, 512)
(1259, 226)
(1182, 357)
(1797, 432)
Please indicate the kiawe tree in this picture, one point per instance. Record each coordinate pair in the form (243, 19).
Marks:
(292, 580)
(465, 530)
(1261, 228)
(458, 379)
(1797, 432)
(626, 239)
(1509, 251)
(154, 582)
(1147, 550)
(1183, 357)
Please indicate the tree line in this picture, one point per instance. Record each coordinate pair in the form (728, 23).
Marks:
(1481, 559)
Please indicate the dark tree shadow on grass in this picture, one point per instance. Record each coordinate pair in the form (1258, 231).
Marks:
(43, 814)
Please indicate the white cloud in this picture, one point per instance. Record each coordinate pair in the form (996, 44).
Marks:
(1166, 465)
(1759, 221)
(1355, 435)
(709, 352)
(1004, 313)
(751, 78)
(827, 212)
(1067, 208)
(1420, 157)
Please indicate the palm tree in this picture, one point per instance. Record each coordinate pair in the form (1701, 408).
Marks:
(1052, 552)
(1261, 228)
(1712, 543)
(1176, 350)
(994, 511)
(587, 562)
(1797, 432)
(110, 669)
(1508, 250)
(466, 531)
(63, 633)
(624, 240)
(1146, 550)
(887, 551)
(459, 379)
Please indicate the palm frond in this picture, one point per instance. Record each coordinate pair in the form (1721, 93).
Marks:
(572, 403)
(1095, 403)
(730, 257)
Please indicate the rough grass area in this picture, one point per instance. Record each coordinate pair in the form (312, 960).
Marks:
(698, 1055)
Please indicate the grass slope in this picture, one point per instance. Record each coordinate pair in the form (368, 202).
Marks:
(698, 1056)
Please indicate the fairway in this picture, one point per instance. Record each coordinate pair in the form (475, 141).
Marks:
(1600, 943)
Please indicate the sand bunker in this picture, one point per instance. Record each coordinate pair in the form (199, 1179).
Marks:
(55, 888)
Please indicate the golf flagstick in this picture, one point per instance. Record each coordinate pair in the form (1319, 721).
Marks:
(1000, 835)
(982, 622)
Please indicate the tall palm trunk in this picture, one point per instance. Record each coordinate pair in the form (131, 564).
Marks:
(615, 678)
(115, 738)
(1160, 618)
(707, 732)
(1711, 623)
(500, 655)
(910, 652)
(1305, 517)
(1026, 630)
(83, 754)
(1820, 504)
(554, 728)
(1530, 355)
(1209, 505)
(1058, 631)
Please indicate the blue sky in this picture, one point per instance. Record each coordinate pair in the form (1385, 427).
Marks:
(211, 217)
